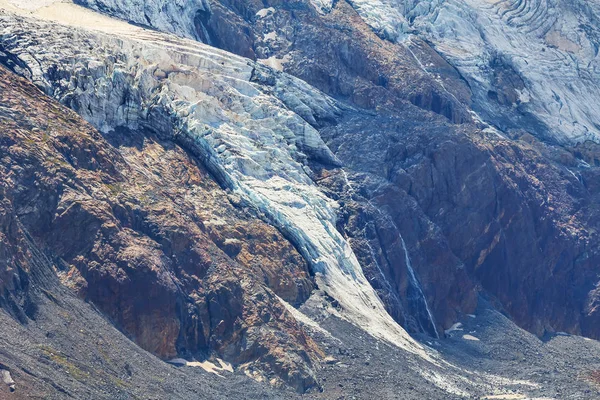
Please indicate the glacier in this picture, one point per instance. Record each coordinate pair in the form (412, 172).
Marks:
(249, 124)
(531, 64)
(258, 130)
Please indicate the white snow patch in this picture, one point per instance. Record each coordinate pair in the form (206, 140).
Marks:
(470, 337)
(26, 5)
(275, 62)
(524, 96)
(303, 319)
(7, 379)
(456, 327)
(323, 6)
(215, 368)
(67, 13)
(271, 36)
(264, 12)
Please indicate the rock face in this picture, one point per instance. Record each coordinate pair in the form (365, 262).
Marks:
(523, 245)
(368, 72)
(140, 229)
(405, 160)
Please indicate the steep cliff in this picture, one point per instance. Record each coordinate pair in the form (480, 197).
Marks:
(140, 229)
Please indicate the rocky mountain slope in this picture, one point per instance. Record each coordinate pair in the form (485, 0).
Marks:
(348, 178)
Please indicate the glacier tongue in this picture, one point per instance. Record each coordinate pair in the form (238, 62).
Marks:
(527, 58)
(254, 138)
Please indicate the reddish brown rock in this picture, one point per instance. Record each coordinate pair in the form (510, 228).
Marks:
(353, 64)
(139, 228)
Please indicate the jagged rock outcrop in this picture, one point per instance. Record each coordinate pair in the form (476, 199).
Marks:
(517, 215)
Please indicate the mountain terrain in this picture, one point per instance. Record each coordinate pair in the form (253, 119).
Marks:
(299, 199)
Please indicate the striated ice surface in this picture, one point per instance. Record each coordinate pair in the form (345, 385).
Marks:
(175, 16)
(323, 6)
(540, 57)
(531, 64)
(253, 127)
